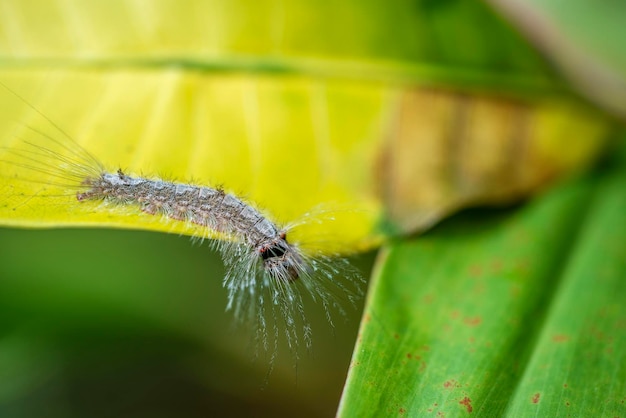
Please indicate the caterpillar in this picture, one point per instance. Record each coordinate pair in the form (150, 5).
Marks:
(267, 274)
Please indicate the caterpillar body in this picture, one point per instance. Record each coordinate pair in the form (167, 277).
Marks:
(267, 275)
(211, 208)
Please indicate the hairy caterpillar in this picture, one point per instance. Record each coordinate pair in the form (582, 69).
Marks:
(267, 274)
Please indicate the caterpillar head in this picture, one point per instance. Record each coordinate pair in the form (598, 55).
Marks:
(281, 260)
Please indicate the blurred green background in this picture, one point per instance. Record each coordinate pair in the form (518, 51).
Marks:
(101, 323)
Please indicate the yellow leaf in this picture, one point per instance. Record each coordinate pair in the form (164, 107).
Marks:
(284, 143)
(355, 156)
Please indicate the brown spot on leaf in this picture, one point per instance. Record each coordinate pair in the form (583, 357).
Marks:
(560, 338)
(600, 335)
(475, 270)
(535, 398)
(422, 367)
(402, 411)
(496, 266)
(467, 402)
(451, 384)
(396, 336)
(473, 321)
(409, 355)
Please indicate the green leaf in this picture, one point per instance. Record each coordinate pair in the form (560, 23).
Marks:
(577, 363)
(518, 313)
